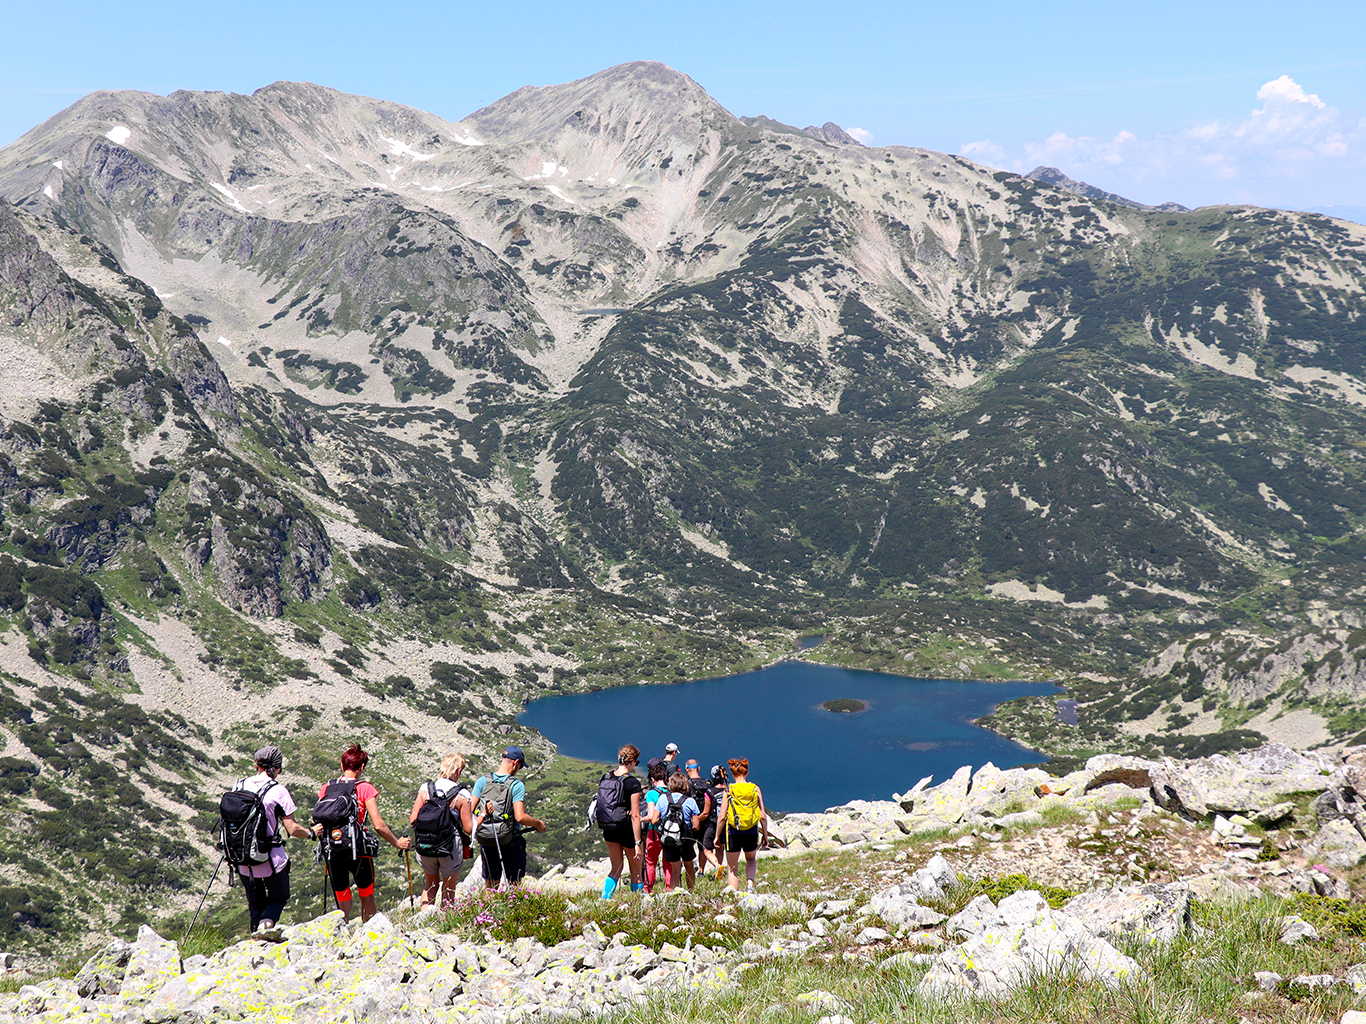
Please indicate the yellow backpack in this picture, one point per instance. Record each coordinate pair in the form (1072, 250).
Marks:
(743, 812)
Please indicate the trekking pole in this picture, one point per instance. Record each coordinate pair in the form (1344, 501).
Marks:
(212, 879)
(409, 861)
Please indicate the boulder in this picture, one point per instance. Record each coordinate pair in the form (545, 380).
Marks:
(1022, 939)
(153, 962)
(1152, 913)
(1240, 783)
(103, 972)
(1338, 845)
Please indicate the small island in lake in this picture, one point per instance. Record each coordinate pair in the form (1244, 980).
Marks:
(846, 705)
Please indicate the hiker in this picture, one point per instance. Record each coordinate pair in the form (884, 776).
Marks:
(349, 847)
(715, 834)
(742, 811)
(705, 834)
(442, 833)
(676, 818)
(618, 815)
(672, 762)
(500, 804)
(649, 831)
(267, 884)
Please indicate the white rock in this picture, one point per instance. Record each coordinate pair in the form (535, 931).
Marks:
(1152, 913)
(1023, 939)
(1295, 930)
(1338, 845)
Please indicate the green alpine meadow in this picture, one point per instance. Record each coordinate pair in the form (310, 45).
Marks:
(326, 420)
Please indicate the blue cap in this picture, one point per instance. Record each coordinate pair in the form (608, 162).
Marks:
(514, 753)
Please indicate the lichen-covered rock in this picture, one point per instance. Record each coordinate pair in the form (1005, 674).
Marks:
(103, 972)
(1152, 913)
(1023, 939)
(153, 962)
(1338, 845)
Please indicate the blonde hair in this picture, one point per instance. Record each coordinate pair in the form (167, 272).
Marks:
(452, 765)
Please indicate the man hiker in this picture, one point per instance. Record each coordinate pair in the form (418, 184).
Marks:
(267, 885)
(500, 805)
(672, 762)
(706, 803)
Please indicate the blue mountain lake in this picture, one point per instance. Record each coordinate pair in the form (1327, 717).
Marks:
(803, 757)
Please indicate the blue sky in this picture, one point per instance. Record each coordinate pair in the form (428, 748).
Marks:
(1197, 102)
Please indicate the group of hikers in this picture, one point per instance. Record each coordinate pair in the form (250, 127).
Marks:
(691, 822)
(447, 817)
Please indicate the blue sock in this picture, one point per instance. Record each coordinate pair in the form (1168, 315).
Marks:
(609, 886)
(637, 886)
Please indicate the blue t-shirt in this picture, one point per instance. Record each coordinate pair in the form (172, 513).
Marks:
(690, 808)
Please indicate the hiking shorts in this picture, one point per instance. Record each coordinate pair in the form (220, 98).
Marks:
(511, 857)
(346, 869)
(688, 851)
(742, 840)
(445, 867)
(623, 834)
(709, 836)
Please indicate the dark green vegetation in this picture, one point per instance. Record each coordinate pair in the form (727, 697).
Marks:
(845, 705)
(959, 423)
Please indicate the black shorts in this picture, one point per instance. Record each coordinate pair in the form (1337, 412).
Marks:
(624, 834)
(688, 851)
(742, 840)
(510, 857)
(709, 836)
(344, 869)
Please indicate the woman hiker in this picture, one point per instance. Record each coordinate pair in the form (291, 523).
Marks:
(679, 795)
(443, 870)
(742, 810)
(350, 848)
(655, 776)
(618, 814)
(267, 885)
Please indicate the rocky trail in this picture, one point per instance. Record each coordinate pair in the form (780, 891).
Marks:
(976, 889)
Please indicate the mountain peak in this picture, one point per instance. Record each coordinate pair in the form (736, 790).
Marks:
(1053, 176)
(614, 102)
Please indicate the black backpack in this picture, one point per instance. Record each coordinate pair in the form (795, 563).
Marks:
(675, 828)
(244, 831)
(612, 807)
(437, 826)
(497, 824)
(338, 811)
(701, 791)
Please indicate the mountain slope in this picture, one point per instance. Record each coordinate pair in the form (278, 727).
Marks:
(337, 404)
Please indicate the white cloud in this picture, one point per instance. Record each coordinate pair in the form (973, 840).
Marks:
(1287, 90)
(1293, 149)
(862, 134)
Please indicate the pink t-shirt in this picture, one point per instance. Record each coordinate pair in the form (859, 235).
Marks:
(364, 792)
(278, 804)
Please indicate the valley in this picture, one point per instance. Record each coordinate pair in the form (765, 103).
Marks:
(325, 418)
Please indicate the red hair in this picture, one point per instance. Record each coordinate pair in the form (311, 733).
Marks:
(355, 759)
